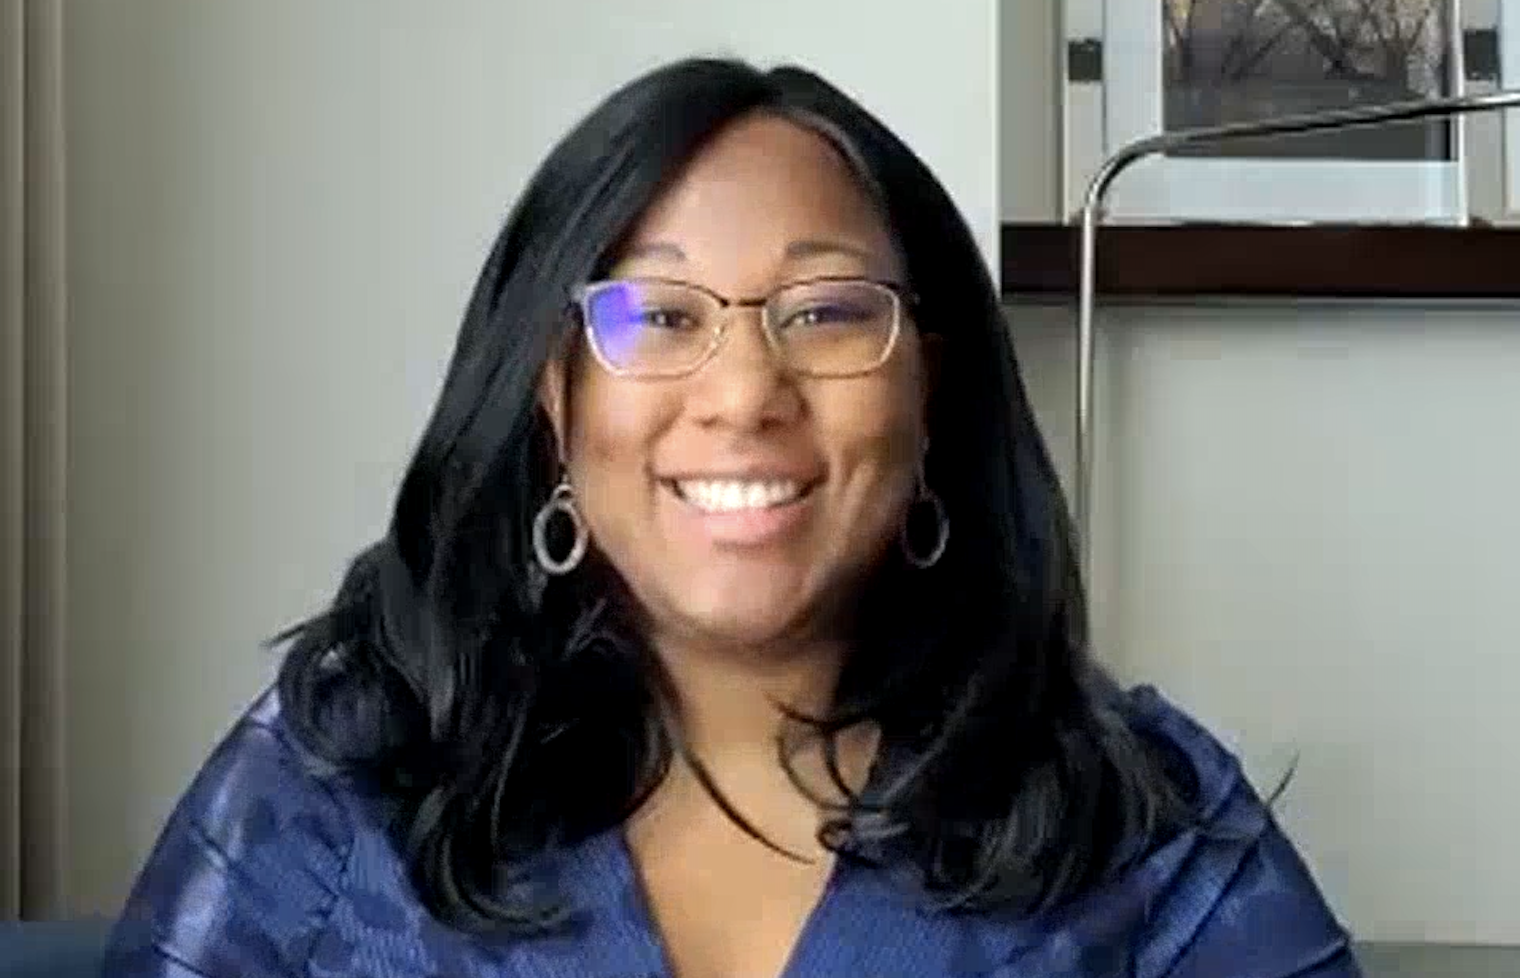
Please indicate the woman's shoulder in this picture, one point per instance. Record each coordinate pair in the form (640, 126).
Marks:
(1231, 893)
(259, 790)
(250, 863)
(260, 777)
(1216, 779)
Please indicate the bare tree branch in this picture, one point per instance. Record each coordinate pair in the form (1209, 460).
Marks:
(1182, 41)
(1330, 48)
(1240, 38)
(1265, 48)
(1371, 15)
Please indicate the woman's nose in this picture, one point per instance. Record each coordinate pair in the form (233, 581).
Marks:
(745, 385)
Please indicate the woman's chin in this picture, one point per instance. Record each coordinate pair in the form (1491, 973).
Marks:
(758, 618)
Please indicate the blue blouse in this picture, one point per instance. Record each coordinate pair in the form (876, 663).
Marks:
(266, 871)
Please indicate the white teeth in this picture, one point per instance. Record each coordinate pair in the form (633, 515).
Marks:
(733, 495)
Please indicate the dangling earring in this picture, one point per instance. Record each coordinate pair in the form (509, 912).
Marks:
(924, 496)
(561, 502)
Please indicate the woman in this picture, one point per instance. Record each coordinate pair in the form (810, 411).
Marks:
(727, 626)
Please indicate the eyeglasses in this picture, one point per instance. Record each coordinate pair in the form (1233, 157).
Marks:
(650, 328)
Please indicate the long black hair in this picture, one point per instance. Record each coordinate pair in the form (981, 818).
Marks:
(510, 718)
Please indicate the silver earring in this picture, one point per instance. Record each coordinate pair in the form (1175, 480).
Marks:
(561, 502)
(925, 496)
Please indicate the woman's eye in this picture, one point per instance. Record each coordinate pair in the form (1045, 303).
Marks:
(820, 316)
(665, 319)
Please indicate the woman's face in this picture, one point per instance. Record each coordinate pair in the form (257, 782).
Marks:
(765, 204)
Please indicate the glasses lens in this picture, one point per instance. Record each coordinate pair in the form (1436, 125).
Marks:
(834, 327)
(649, 328)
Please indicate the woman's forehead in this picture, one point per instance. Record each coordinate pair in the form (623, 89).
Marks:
(765, 188)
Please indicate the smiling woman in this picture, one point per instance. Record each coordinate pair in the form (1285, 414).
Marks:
(648, 676)
(757, 475)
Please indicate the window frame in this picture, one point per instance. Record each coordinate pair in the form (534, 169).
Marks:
(1112, 94)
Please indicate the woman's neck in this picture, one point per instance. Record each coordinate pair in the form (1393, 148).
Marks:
(731, 702)
(732, 722)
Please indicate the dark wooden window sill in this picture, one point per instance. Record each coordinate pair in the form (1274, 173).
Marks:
(1353, 261)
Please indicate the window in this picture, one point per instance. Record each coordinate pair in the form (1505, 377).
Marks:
(1248, 60)
(1139, 67)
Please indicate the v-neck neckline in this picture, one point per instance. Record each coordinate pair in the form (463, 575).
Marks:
(635, 912)
(864, 922)
(650, 948)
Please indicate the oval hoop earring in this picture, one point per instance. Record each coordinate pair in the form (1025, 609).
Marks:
(562, 503)
(926, 496)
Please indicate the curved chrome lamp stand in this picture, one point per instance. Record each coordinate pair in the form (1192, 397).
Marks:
(1092, 208)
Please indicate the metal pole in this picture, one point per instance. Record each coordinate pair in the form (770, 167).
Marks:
(1097, 192)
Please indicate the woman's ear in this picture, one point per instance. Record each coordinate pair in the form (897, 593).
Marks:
(931, 350)
(551, 397)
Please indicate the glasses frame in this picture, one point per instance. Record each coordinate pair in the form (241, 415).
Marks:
(902, 301)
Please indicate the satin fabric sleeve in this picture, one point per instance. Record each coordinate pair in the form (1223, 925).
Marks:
(243, 880)
(1270, 921)
(1241, 902)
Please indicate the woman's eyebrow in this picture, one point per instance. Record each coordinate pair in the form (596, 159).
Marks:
(666, 250)
(815, 247)
(797, 250)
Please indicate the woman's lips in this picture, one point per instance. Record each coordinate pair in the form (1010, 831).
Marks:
(727, 495)
(740, 512)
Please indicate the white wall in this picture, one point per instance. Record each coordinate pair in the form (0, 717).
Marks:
(1306, 533)
(276, 209)
(1029, 66)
